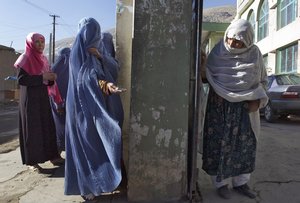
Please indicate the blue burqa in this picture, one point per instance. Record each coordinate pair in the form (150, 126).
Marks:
(61, 68)
(107, 40)
(111, 68)
(93, 136)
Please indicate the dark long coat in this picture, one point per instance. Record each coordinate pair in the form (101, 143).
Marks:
(37, 128)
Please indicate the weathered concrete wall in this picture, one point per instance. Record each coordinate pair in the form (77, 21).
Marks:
(124, 29)
(159, 100)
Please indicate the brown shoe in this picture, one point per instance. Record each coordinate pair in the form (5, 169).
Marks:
(224, 192)
(245, 190)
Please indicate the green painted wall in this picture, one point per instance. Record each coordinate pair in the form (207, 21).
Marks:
(159, 100)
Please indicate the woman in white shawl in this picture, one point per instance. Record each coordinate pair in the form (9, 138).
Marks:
(237, 78)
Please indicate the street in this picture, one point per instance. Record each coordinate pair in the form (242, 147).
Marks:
(9, 122)
(275, 180)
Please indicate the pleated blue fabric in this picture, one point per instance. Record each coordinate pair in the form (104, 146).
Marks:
(61, 68)
(111, 69)
(93, 136)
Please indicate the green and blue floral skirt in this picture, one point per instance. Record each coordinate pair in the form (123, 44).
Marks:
(229, 143)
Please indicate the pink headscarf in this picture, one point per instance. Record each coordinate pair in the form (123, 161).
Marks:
(35, 62)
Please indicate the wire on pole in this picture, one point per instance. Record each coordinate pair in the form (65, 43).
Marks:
(53, 37)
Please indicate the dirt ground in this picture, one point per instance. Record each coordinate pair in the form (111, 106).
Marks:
(9, 146)
(276, 178)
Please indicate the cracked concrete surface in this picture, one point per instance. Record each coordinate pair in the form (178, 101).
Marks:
(276, 178)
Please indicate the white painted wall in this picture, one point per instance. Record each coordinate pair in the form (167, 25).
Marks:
(277, 38)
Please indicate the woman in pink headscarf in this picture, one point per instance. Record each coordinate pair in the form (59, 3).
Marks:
(37, 129)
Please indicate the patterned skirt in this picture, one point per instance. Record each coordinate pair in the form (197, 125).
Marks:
(229, 143)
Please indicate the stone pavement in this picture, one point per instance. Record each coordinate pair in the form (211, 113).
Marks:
(18, 184)
(22, 185)
(275, 180)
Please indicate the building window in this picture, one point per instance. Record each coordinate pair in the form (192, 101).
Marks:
(287, 12)
(287, 59)
(263, 20)
(251, 19)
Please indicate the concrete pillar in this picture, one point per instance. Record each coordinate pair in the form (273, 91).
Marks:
(158, 129)
(298, 59)
(124, 32)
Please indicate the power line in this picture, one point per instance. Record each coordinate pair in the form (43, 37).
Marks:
(51, 14)
(20, 28)
(70, 27)
(38, 7)
(54, 18)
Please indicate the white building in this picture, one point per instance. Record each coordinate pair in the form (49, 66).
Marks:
(277, 31)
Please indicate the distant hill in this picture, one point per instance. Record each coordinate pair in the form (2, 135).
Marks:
(66, 42)
(222, 14)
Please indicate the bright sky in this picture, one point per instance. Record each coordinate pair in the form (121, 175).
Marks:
(215, 3)
(20, 17)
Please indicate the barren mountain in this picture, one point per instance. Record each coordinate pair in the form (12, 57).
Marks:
(222, 14)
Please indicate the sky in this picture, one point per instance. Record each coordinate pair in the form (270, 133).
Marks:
(215, 3)
(20, 17)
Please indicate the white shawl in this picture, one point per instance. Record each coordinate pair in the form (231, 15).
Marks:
(238, 74)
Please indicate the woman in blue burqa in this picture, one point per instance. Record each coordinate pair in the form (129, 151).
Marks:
(93, 136)
(61, 68)
(108, 43)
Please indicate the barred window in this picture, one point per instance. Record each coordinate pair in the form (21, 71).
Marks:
(251, 19)
(263, 20)
(287, 59)
(287, 12)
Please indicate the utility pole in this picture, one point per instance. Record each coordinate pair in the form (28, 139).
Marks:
(50, 48)
(53, 37)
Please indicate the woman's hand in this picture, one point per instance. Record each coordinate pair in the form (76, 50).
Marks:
(49, 76)
(60, 110)
(95, 52)
(109, 87)
(113, 89)
(253, 105)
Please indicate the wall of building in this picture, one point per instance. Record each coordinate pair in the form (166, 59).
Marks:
(124, 32)
(158, 95)
(8, 56)
(276, 38)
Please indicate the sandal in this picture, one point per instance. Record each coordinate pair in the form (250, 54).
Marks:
(245, 190)
(58, 161)
(224, 192)
(35, 167)
(89, 197)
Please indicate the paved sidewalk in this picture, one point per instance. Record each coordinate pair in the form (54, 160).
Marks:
(276, 178)
(18, 184)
